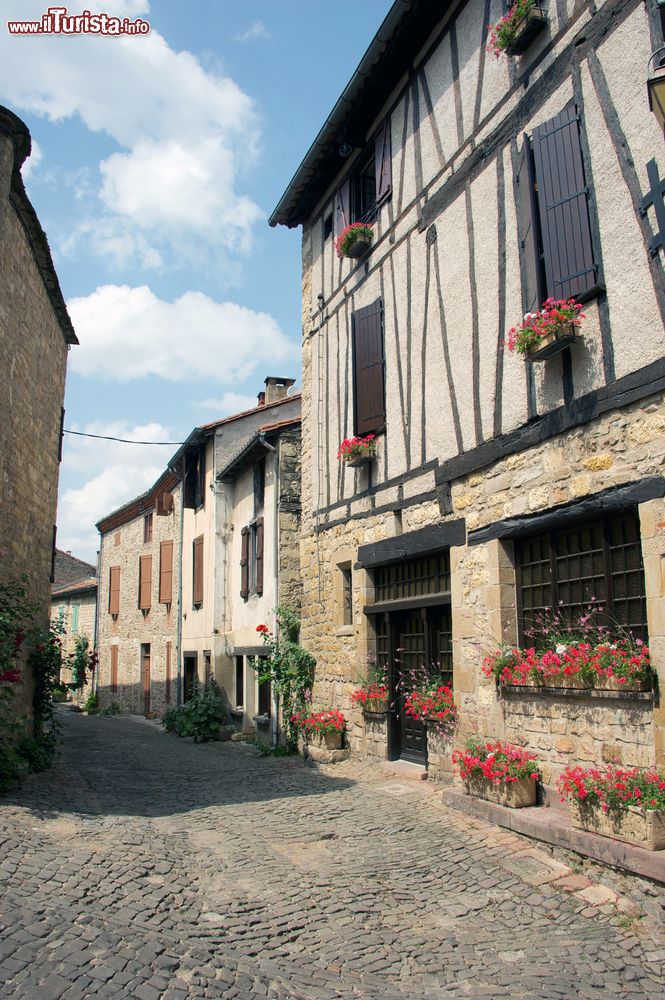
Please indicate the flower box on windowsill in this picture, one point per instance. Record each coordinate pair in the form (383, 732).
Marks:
(526, 30)
(358, 461)
(514, 794)
(553, 344)
(632, 826)
(375, 708)
(361, 246)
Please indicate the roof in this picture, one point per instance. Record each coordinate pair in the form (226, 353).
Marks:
(17, 131)
(256, 444)
(139, 505)
(75, 588)
(392, 52)
(69, 569)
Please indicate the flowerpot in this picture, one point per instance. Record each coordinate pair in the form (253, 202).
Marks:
(553, 344)
(614, 684)
(632, 826)
(375, 707)
(526, 30)
(515, 794)
(330, 741)
(569, 681)
(356, 461)
(359, 247)
(226, 733)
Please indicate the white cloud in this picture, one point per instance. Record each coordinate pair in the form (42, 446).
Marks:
(226, 405)
(128, 333)
(32, 162)
(255, 30)
(185, 136)
(117, 473)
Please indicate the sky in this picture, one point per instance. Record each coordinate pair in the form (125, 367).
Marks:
(156, 162)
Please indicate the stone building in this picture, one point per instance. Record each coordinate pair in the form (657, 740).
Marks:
(500, 487)
(74, 604)
(208, 531)
(259, 494)
(35, 335)
(138, 612)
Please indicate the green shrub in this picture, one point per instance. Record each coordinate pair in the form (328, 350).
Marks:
(113, 708)
(91, 704)
(38, 752)
(201, 717)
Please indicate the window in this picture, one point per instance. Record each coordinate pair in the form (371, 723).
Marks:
(114, 669)
(413, 578)
(167, 659)
(145, 582)
(75, 618)
(251, 559)
(114, 590)
(327, 226)
(147, 528)
(569, 568)
(369, 394)
(555, 236)
(197, 572)
(265, 693)
(240, 681)
(166, 572)
(195, 474)
(207, 667)
(347, 594)
(368, 184)
(259, 486)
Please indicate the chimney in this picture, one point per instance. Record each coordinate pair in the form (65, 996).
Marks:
(277, 388)
(261, 399)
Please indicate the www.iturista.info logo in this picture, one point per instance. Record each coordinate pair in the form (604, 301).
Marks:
(56, 21)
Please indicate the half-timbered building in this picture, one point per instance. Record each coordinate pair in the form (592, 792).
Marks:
(500, 486)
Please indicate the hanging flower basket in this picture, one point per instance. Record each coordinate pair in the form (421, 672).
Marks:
(516, 30)
(357, 451)
(498, 772)
(354, 241)
(547, 332)
(627, 805)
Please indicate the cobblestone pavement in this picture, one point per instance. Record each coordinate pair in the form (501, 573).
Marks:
(145, 866)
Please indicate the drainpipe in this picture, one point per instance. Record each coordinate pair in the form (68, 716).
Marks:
(275, 534)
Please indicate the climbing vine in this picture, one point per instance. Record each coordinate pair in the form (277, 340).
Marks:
(289, 668)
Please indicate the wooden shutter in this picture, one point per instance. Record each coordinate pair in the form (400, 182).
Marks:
(383, 163)
(259, 555)
(114, 669)
(197, 596)
(167, 693)
(62, 432)
(191, 480)
(145, 582)
(244, 563)
(114, 590)
(532, 290)
(200, 477)
(53, 549)
(570, 268)
(166, 572)
(342, 206)
(369, 395)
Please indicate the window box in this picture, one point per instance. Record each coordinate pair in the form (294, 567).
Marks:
(514, 794)
(360, 246)
(327, 741)
(526, 30)
(358, 461)
(632, 826)
(553, 344)
(376, 707)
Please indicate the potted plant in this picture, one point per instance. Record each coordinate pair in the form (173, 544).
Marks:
(513, 34)
(434, 703)
(355, 240)
(357, 451)
(324, 728)
(499, 772)
(543, 334)
(621, 665)
(373, 697)
(627, 805)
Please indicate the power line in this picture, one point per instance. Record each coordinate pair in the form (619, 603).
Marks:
(104, 437)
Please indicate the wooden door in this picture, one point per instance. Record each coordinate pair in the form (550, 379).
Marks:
(411, 654)
(145, 671)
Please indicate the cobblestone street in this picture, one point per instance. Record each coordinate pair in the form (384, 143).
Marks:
(145, 866)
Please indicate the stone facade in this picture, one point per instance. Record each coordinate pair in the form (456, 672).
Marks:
(474, 439)
(75, 607)
(35, 336)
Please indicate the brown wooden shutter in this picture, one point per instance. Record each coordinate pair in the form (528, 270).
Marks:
(167, 693)
(114, 669)
(114, 590)
(197, 596)
(259, 555)
(369, 395)
(145, 582)
(342, 206)
(532, 290)
(383, 163)
(570, 268)
(166, 572)
(244, 563)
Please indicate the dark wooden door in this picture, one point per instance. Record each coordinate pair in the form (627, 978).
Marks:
(145, 672)
(189, 677)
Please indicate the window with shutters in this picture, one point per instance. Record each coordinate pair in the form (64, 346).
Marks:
(259, 486)
(251, 559)
(197, 572)
(369, 393)
(165, 572)
(368, 185)
(195, 474)
(594, 563)
(75, 618)
(114, 590)
(145, 582)
(555, 231)
(147, 528)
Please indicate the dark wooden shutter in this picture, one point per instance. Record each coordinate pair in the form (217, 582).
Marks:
(532, 290)
(53, 549)
(114, 669)
(62, 432)
(200, 478)
(342, 207)
(166, 572)
(259, 555)
(145, 582)
(244, 563)
(369, 395)
(197, 595)
(570, 268)
(114, 590)
(383, 163)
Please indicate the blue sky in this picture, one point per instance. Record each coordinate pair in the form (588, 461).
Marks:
(157, 161)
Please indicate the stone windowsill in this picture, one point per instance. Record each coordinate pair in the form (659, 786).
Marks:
(533, 691)
(261, 720)
(238, 712)
(345, 630)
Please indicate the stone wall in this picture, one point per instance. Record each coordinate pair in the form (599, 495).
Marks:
(87, 605)
(290, 587)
